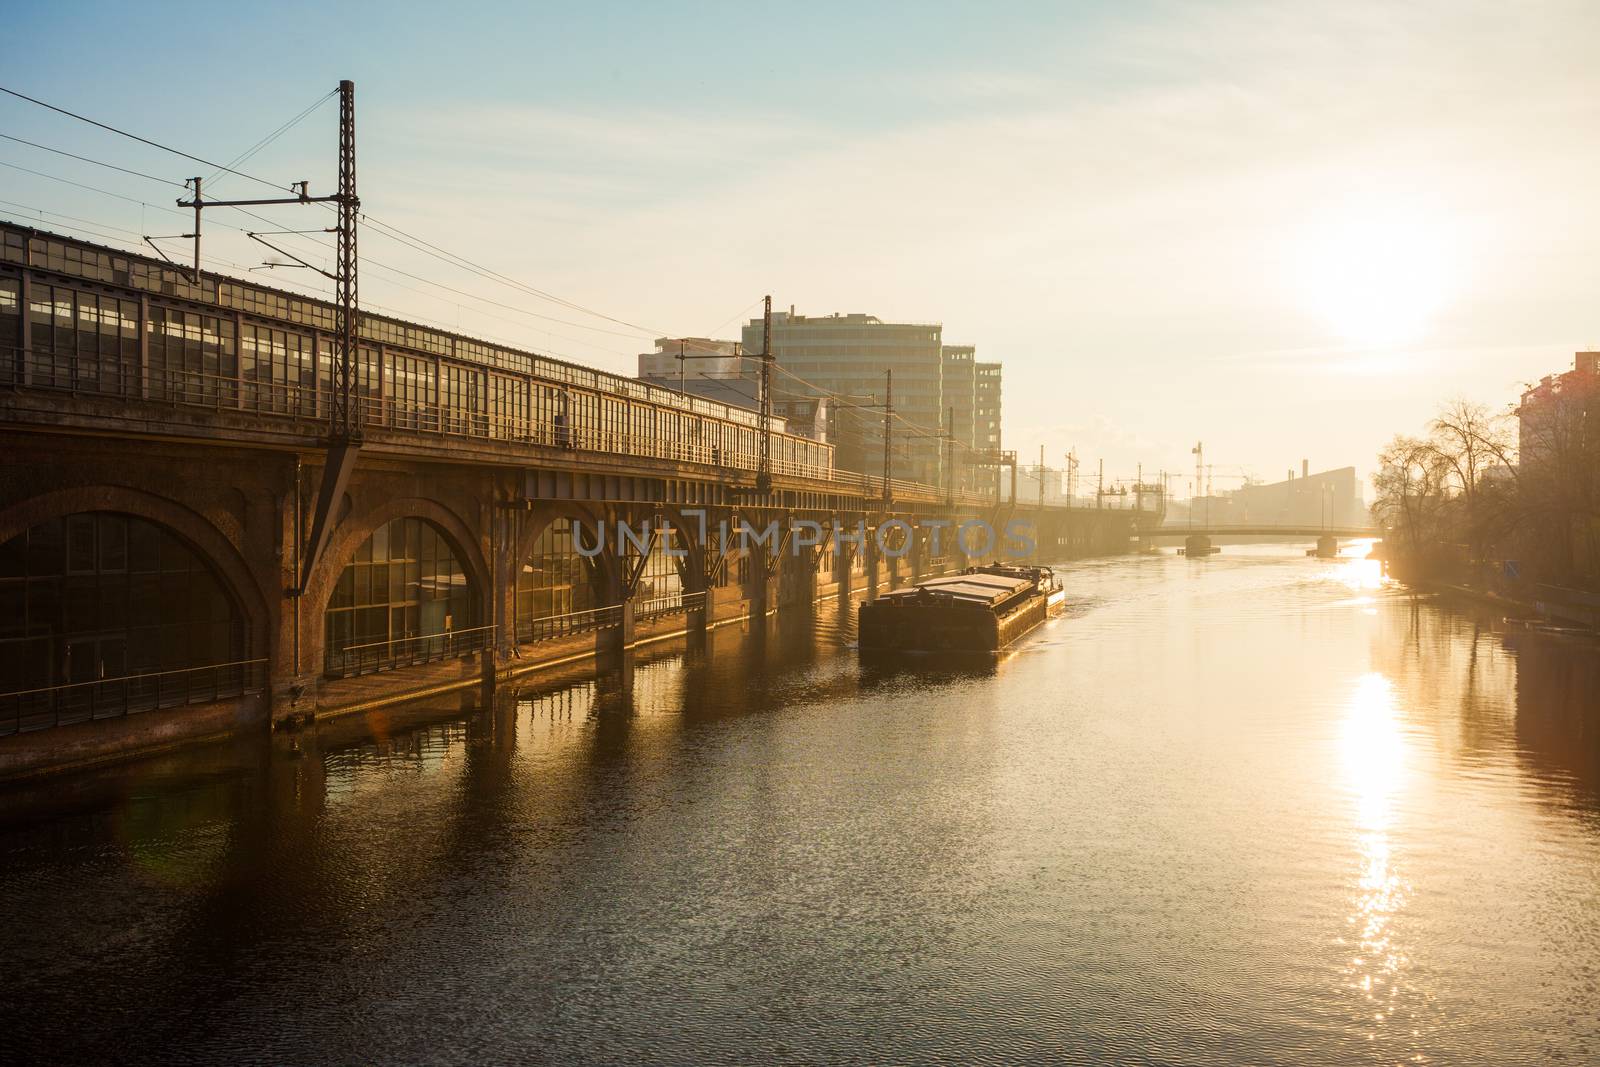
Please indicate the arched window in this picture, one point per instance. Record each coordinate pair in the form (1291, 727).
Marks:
(553, 581)
(403, 599)
(98, 596)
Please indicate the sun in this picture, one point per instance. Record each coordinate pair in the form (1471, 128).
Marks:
(1378, 277)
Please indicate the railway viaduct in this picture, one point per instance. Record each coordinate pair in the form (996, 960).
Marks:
(164, 441)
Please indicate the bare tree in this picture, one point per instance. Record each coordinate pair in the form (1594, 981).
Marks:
(1473, 442)
(1411, 483)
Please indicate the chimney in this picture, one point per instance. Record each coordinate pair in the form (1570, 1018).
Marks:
(1305, 468)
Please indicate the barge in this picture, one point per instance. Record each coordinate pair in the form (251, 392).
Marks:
(982, 609)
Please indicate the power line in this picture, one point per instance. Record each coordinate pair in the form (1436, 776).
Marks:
(135, 137)
(385, 229)
(317, 290)
(81, 185)
(245, 156)
(313, 243)
(86, 159)
(394, 233)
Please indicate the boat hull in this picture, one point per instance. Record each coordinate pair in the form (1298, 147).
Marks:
(884, 628)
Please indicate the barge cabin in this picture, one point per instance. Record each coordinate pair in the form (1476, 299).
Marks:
(982, 609)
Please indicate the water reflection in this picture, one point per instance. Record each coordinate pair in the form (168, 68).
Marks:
(1373, 753)
(1269, 810)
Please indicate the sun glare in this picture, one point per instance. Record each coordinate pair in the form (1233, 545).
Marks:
(1377, 277)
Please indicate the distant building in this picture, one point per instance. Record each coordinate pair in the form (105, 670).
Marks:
(714, 371)
(1028, 479)
(708, 358)
(986, 412)
(1332, 498)
(845, 357)
(1558, 420)
(809, 417)
(1558, 471)
(986, 406)
(960, 399)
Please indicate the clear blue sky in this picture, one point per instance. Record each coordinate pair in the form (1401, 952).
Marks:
(1286, 229)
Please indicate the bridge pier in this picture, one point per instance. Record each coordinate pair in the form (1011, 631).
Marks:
(1327, 547)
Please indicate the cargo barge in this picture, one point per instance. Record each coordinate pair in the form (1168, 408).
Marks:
(982, 609)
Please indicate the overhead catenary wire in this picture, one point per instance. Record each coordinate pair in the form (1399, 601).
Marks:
(244, 157)
(303, 286)
(323, 247)
(87, 159)
(220, 167)
(387, 230)
(377, 225)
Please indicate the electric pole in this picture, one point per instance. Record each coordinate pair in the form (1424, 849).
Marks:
(344, 418)
(888, 414)
(196, 181)
(1100, 489)
(346, 421)
(950, 456)
(764, 464)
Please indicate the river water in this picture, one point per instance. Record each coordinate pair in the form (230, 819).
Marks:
(1254, 809)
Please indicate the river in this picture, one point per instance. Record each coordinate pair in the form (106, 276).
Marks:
(1259, 808)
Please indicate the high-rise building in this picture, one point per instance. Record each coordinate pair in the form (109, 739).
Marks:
(986, 422)
(847, 357)
(986, 406)
(959, 398)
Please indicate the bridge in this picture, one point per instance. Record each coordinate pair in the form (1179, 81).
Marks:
(1264, 529)
(184, 551)
(1198, 538)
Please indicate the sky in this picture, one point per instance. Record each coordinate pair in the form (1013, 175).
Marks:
(1286, 230)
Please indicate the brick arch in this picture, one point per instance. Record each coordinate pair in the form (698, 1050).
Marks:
(539, 519)
(219, 551)
(360, 525)
(602, 569)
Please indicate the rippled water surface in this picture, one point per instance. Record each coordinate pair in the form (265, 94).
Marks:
(1256, 809)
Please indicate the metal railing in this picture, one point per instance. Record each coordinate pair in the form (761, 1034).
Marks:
(67, 371)
(670, 604)
(109, 698)
(573, 622)
(410, 651)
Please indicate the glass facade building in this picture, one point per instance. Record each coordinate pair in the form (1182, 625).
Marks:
(847, 356)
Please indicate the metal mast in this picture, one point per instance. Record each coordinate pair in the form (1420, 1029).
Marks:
(888, 414)
(764, 462)
(346, 421)
(1041, 478)
(950, 456)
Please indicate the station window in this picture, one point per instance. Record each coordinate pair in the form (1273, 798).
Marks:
(99, 595)
(405, 582)
(554, 579)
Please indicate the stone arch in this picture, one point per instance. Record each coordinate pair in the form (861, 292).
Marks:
(354, 531)
(543, 515)
(202, 535)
